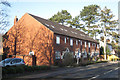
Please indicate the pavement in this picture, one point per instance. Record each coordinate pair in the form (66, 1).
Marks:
(97, 71)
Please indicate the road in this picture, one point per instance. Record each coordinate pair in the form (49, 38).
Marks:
(96, 71)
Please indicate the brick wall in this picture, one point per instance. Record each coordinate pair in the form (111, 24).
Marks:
(62, 46)
(33, 36)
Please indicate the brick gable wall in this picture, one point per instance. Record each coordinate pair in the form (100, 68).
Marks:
(33, 36)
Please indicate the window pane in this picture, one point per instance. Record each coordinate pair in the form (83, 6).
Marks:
(76, 42)
(71, 42)
(89, 44)
(85, 44)
(7, 60)
(57, 55)
(14, 61)
(97, 45)
(92, 44)
(81, 42)
(65, 40)
(57, 40)
(18, 60)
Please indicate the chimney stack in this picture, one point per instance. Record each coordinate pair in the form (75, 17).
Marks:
(16, 19)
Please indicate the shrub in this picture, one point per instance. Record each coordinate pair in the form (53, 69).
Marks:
(36, 68)
(58, 62)
(4, 71)
(68, 59)
(44, 67)
(29, 68)
(11, 70)
(19, 69)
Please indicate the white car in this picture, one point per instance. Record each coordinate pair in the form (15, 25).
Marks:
(12, 62)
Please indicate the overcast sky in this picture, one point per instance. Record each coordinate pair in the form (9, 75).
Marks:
(47, 8)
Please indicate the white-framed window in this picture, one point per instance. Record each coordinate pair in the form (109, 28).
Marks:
(81, 42)
(97, 45)
(57, 55)
(89, 44)
(57, 40)
(65, 39)
(85, 43)
(71, 42)
(92, 44)
(76, 42)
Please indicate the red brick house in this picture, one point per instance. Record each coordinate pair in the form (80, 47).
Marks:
(48, 40)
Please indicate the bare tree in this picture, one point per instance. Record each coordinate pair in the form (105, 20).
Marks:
(42, 46)
(15, 38)
(3, 19)
(4, 15)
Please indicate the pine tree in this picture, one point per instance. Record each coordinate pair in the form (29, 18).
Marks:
(90, 15)
(61, 17)
(75, 22)
(108, 24)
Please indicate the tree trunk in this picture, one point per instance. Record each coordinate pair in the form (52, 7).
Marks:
(15, 46)
(88, 28)
(104, 43)
(50, 58)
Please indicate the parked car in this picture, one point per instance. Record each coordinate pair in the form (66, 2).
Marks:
(12, 62)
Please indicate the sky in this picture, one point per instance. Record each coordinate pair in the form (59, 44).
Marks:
(47, 8)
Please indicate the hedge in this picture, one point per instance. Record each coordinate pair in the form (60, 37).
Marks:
(21, 69)
(88, 63)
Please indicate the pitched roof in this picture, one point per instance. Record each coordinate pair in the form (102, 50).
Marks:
(63, 30)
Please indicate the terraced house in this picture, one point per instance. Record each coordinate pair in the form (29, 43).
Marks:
(48, 40)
